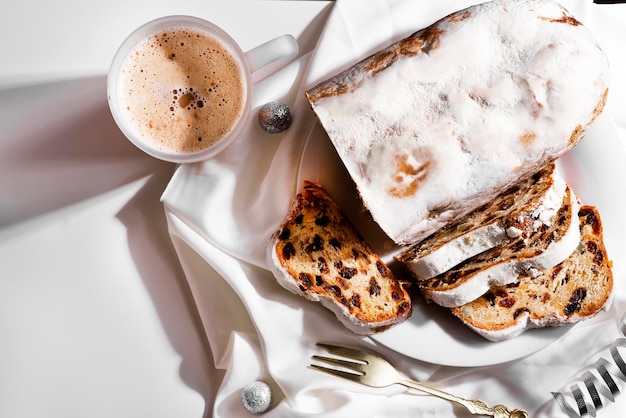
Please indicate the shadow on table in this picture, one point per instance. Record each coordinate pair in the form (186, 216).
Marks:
(59, 145)
(153, 253)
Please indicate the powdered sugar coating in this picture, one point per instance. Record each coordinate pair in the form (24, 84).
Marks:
(440, 123)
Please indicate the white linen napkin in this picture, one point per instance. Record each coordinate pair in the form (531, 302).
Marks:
(221, 213)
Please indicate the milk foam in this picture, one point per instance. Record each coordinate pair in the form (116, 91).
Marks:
(181, 90)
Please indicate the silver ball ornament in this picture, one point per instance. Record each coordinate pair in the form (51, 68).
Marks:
(274, 117)
(256, 397)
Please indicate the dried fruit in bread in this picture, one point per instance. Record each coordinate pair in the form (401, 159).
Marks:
(503, 264)
(518, 213)
(572, 291)
(319, 254)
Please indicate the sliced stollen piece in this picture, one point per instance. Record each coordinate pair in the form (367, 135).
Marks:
(319, 254)
(503, 264)
(516, 214)
(570, 292)
(446, 119)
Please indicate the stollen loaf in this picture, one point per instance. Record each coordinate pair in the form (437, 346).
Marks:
(443, 121)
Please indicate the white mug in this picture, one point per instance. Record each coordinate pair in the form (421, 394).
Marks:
(159, 113)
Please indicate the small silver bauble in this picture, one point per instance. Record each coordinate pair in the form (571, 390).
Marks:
(274, 117)
(256, 397)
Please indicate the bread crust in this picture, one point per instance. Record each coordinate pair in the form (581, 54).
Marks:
(432, 127)
(317, 253)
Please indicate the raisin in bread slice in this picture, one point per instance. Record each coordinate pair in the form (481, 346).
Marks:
(501, 265)
(319, 254)
(518, 212)
(570, 292)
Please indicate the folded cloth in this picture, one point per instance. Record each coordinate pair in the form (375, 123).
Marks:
(221, 213)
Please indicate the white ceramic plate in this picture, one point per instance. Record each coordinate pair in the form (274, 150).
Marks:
(433, 334)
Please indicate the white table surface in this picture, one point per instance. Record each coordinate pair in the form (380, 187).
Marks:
(95, 314)
(96, 317)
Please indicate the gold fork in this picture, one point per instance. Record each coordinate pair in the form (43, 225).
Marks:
(373, 370)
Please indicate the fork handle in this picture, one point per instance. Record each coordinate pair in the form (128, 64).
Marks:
(476, 407)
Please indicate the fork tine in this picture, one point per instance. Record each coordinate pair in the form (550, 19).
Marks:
(340, 373)
(357, 367)
(344, 351)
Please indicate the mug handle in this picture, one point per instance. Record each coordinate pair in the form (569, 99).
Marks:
(284, 46)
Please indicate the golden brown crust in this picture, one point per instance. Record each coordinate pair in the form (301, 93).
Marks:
(599, 107)
(422, 41)
(565, 18)
(579, 131)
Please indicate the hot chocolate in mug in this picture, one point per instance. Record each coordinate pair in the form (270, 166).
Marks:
(180, 88)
